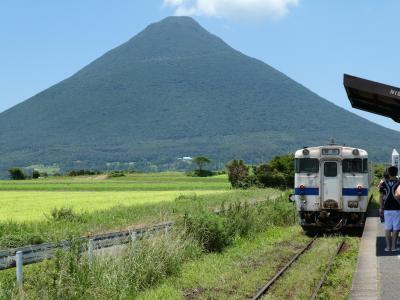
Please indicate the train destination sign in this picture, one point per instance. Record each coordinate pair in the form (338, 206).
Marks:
(330, 151)
(373, 97)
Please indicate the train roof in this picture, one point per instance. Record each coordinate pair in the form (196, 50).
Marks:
(373, 97)
(345, 151)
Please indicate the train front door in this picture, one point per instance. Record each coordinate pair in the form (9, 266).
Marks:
(331, 185)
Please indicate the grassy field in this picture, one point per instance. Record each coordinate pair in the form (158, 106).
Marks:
(256, 240)
(157, 257)
(100, 204)
(167, 181)
(32, 200)
(35, 206)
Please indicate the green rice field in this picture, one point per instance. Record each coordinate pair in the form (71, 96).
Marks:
(32, 200)
(32, 206)
(96, 204)
(167, 181)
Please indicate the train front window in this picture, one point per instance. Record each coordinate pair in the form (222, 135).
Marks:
(354, 165)
(365, 165)
(330, 169)
(307, 165)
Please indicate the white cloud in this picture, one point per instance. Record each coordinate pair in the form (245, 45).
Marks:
(236, 9)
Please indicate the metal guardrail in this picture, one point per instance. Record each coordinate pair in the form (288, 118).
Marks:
(37, 253)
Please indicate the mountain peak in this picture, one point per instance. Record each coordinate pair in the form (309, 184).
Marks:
(178, 20)
(177, 37)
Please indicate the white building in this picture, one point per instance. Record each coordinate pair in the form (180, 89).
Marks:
(395, 158)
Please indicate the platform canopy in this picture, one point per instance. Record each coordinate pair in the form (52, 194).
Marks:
(373, 97)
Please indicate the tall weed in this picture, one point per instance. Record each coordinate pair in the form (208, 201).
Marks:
(70, 275)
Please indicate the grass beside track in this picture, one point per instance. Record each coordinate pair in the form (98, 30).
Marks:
(301, 279)
(339, 280)
(238, 272)
(243, 269)
(157, 257)
(120, 217)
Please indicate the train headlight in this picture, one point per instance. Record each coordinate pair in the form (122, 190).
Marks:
(302, 189)
(356, 152)
(359, 190)
(306, 152)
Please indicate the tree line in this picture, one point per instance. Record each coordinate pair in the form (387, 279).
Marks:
(277, 173)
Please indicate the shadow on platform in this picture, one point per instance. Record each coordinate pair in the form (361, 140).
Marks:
(380, 248)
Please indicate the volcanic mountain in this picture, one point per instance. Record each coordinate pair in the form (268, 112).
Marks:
(176, 90)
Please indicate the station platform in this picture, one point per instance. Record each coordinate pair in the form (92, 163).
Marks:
(377, 275)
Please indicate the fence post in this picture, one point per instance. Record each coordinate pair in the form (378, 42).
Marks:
(19, 267)
(90, 251)
(133, 241)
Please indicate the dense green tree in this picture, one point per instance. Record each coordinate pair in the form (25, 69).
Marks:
(16, 174)
(279, 172)
(201, 161)
(35, 174)
(238, 173)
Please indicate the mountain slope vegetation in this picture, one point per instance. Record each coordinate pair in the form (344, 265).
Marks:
(176, 90)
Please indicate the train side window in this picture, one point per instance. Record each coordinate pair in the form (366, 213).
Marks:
(354, 165)
(330, 169)
(307, 165)
(365, 165)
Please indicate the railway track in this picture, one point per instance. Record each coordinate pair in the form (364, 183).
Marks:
(264, 290)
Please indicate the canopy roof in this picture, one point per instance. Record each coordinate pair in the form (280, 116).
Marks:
(373, 97)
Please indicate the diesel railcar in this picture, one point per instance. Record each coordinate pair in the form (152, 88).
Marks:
(331, 187)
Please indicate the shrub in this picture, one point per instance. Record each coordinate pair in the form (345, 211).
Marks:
(64, 214)
(201, 173)
(240, 219)
(16, 174)
(35, 174)
(158, 257)
(83, 173)
(116, 174)
(237, 173)
(208, 229)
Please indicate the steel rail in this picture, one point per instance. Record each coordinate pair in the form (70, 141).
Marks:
(323, 278)
(266, 287)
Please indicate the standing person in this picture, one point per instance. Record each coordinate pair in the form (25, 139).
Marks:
(390, 208)
(385, 178)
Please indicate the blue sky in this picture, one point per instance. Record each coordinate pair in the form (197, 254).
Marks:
(312, 41)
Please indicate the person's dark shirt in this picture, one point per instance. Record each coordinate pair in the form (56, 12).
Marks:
(390, 202)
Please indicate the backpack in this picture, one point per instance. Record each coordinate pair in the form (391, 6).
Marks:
(391, 187)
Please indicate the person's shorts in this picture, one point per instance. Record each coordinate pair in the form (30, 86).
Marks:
(392, 220)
